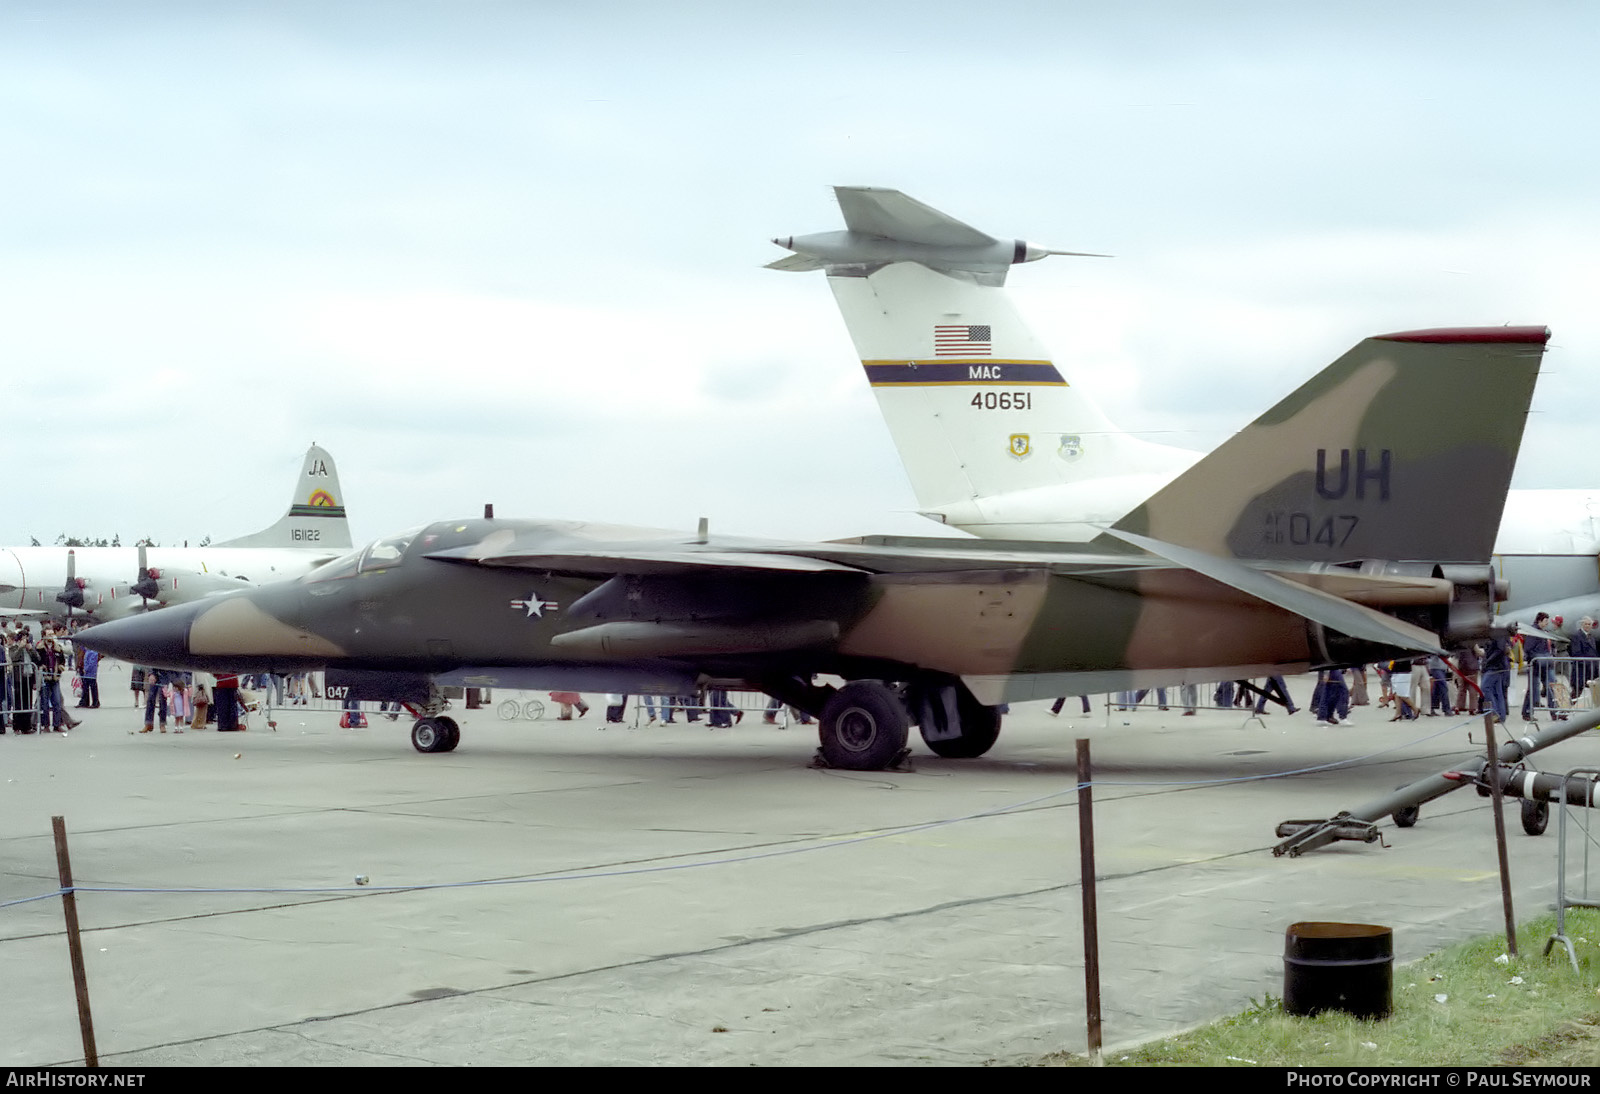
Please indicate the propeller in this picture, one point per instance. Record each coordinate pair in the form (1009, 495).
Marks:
(71, 593)
(145, 586)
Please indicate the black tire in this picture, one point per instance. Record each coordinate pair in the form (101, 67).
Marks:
(864, 727)
(980, 728)
(1535, 816)
(428, 735)
(1407, 817)
(452, 734)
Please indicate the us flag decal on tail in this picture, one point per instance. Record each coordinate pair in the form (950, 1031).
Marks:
(961, 340)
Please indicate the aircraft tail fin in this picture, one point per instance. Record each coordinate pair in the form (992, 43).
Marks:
(316, 516)
(974, 403)
(1401, 449)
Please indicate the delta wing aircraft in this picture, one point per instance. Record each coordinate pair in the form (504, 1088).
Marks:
(101, 583)
(1260, 559)
(998, 443)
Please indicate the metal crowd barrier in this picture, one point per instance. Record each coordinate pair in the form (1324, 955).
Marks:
(29, 699)
(1170, 700)
(273, 697)
(1564, 806)
(1554, 686)
(308, 694)
(1208, 696)
(699, 709)
(642, 710)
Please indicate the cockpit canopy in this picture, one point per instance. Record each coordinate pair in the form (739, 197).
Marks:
(381, 554)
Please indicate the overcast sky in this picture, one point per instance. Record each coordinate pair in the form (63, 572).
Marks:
(512, 252)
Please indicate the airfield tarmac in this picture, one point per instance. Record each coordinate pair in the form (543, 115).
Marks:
(728, 909)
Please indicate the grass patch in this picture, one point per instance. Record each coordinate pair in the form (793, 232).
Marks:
(1532, 1010)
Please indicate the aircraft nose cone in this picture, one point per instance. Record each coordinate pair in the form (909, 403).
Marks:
(156, 638)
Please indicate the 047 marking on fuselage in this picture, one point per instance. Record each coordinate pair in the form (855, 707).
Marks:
(1303, 529)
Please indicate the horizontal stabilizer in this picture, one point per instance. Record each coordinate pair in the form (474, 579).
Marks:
(1333, 613)
(875, 211)
(884, 227)
(797, 263)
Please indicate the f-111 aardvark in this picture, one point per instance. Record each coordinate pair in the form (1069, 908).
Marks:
(1328, 532)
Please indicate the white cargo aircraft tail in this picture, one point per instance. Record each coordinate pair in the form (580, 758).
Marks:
(994, 439)
(316, 515)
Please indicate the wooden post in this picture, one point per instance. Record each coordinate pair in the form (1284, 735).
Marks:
(80, 979)
(1091, 922)
(1497, 798)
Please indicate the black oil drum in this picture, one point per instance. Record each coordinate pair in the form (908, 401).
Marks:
(1338, 966)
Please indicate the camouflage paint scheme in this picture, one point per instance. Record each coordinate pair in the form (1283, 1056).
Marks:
(1318, 535)
(1426, 401)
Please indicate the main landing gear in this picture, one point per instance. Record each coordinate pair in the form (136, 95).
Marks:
(436, 734)
(864, 725)
(433, 731)
(953, 723)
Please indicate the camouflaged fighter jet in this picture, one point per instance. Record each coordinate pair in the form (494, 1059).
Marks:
(1329, 532)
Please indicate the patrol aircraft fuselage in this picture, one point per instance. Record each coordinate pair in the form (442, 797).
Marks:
(103, 583)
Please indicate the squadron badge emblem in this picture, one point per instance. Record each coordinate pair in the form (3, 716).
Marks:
(1021, 445)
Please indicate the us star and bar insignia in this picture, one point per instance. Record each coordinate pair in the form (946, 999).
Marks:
(534, 605)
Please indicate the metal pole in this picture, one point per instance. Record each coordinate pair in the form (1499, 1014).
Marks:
(80, 979)
(1561, 864)
(1360, 823)
(1091, 922)
(1500, 835)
